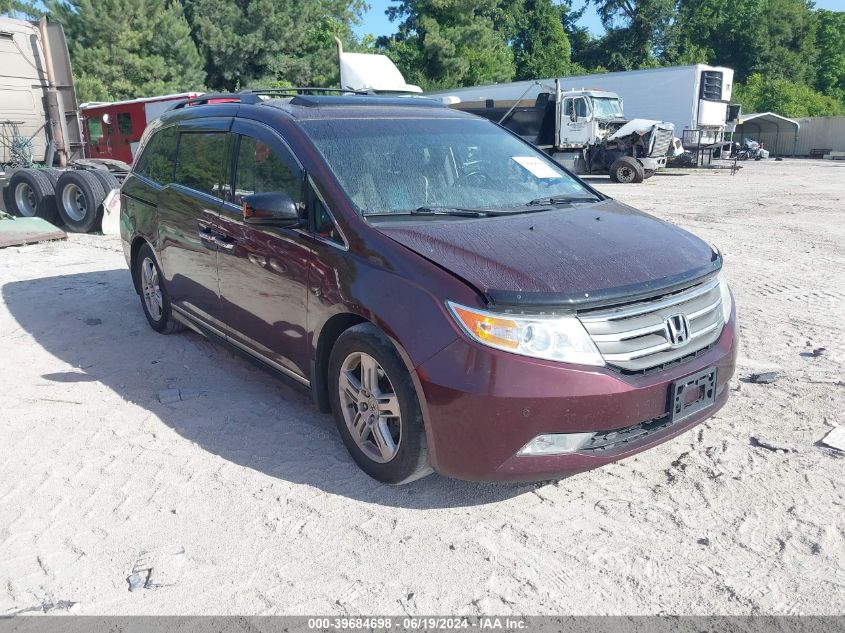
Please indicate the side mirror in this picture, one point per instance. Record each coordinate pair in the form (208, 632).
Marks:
(274, 207)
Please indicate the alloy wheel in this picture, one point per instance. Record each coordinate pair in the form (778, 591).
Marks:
(370, 407)
(151, 289)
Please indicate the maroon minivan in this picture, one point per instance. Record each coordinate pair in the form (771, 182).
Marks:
(456, 299)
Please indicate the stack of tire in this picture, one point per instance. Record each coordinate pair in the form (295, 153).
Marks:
(73, 197)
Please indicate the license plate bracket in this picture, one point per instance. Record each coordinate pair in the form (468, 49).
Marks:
(690, 395)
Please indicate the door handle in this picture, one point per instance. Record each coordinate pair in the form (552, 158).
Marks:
(224, 242)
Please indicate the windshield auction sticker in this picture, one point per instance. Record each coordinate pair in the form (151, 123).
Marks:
(536, 166)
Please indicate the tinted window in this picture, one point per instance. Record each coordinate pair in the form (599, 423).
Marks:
(156, 163)
(124, 123)
(202, 162)
(260, 170)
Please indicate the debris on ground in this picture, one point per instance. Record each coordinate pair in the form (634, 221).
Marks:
(46, 607)
(171, 396)
(835, 439)
(20, 231)
(769, 445)
(93, 322)
(764, 377)
(157, 568)
(815, 353)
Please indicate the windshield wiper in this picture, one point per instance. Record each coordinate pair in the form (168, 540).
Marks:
(459, 211)
(559, 200)
(462, 211)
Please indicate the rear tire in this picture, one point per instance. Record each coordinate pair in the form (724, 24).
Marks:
(79, 198)
(371, 390)
(106, 179)
(155, 301)
(626, 170)
(30, 194)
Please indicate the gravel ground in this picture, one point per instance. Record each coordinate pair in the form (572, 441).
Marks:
(243, 499)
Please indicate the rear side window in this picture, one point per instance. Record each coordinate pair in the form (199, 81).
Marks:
(202, 163)
(260, 170)
(159, 157)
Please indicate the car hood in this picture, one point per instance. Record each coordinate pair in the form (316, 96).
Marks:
(580, 256)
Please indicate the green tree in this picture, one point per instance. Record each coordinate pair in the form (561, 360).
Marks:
(782, 96)
(261, 42)
(772, 37)
(830, 42)
(124, 49)
(540, 44)
(18, 8)
(636, 31)
(449, 43)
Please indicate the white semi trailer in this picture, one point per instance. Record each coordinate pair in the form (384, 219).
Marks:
(694, 98)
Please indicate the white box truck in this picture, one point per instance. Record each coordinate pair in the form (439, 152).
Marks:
(693, 98)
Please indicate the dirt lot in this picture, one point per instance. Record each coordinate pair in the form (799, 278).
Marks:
(243, 500)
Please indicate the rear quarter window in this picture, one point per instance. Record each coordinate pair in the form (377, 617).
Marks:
(159, 157)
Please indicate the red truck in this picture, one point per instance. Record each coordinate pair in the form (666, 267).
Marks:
(112, 130)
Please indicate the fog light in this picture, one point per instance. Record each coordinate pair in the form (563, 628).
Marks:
(556, 443)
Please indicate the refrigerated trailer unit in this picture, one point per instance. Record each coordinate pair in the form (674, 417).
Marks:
(694, 98)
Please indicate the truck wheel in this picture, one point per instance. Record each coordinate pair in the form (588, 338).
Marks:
(648, 173)
(79, 197)
(626, 170)
(30, 194)
(108, 181)
(376, 408)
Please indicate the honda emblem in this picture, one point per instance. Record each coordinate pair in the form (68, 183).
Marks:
(677, 330)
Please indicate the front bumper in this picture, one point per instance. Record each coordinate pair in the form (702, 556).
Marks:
(481, 406)
(653, 163)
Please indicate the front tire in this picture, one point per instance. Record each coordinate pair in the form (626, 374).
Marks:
(375, 407)
(626, 170)
(154, 298)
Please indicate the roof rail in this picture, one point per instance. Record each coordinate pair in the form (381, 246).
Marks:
(253, 96)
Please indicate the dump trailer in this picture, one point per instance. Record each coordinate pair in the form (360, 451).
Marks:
(44, 171)
(585, 130)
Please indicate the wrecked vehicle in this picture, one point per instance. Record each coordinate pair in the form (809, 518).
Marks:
(584, 130)
(457, 299)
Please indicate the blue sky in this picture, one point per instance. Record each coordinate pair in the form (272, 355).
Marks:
(376, 22)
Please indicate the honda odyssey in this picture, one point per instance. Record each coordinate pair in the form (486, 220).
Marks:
(457, 300)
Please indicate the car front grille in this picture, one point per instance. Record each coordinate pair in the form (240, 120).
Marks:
(637, 337)
(662, 141)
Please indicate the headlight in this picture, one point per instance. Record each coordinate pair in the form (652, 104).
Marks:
(560, 338)
(727, 298)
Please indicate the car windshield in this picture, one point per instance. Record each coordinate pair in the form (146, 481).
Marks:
(395, 166)
(605, 108)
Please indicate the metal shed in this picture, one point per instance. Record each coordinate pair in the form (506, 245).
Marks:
(770, 129)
